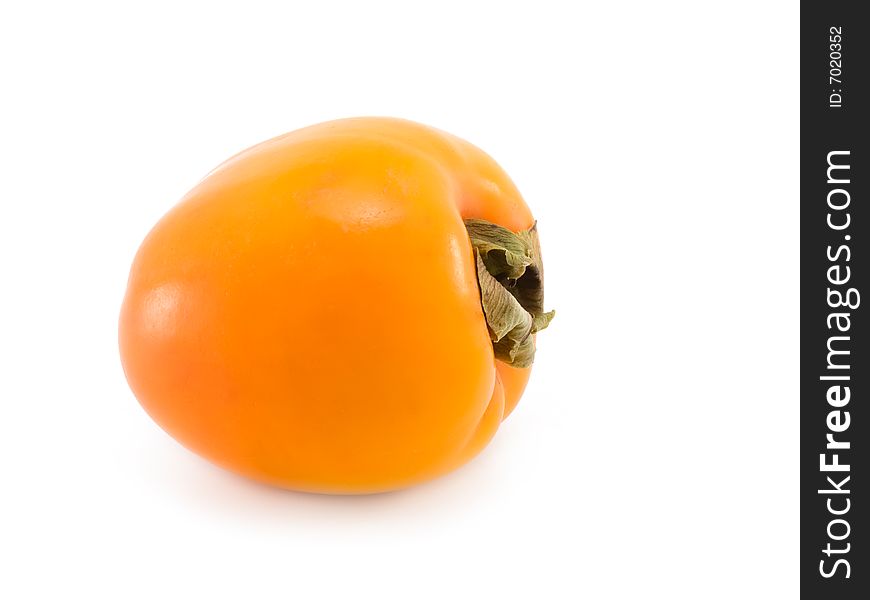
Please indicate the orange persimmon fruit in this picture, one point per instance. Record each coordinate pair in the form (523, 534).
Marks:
(347, 308)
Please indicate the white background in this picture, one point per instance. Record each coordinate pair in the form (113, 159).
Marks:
(655, 454)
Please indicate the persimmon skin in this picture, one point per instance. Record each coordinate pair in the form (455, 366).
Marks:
(309, 314)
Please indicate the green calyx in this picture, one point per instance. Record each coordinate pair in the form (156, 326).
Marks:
(511, 278)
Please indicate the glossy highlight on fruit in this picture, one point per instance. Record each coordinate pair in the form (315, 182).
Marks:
(335, 310)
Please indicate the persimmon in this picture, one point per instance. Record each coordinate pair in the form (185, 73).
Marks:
(347, 308)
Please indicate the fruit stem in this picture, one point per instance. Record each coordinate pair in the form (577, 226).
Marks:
(511, 278)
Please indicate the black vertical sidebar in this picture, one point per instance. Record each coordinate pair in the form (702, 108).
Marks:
(835, 269)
